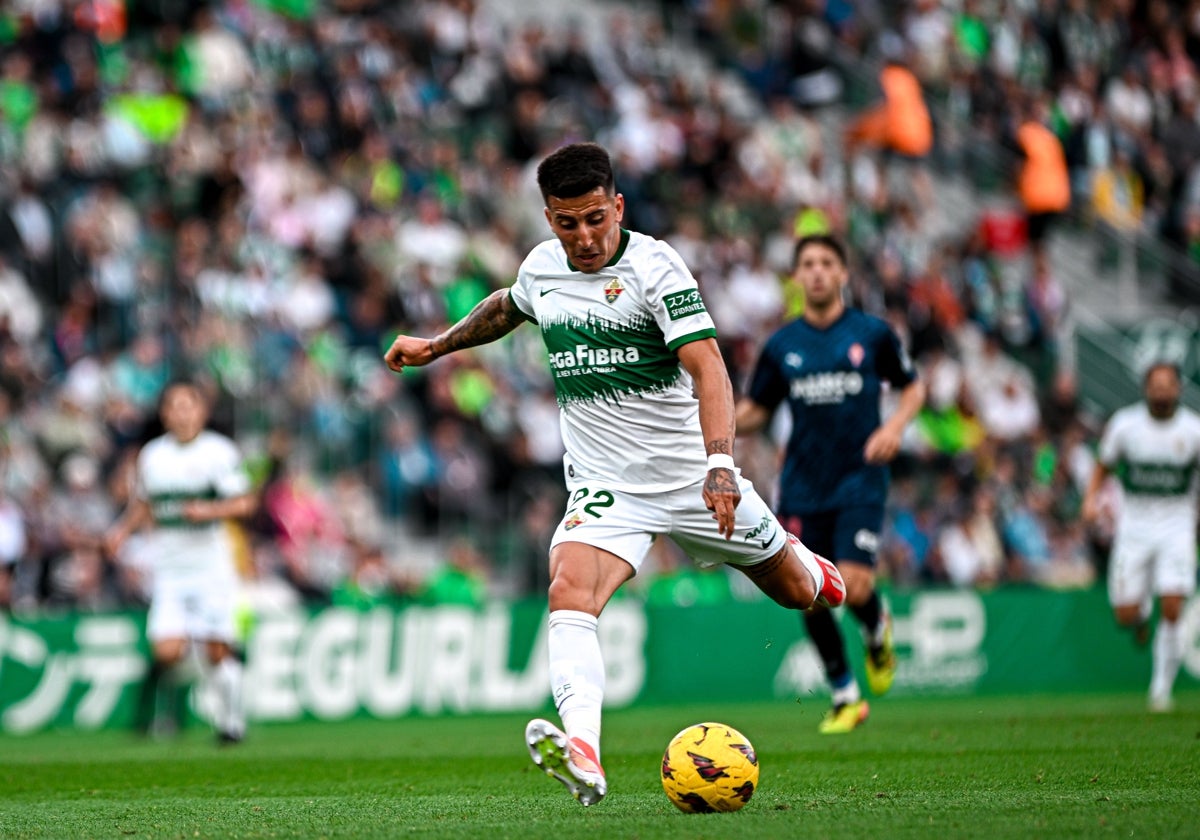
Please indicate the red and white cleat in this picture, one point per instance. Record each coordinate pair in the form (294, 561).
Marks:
(571, 762)
(833, 591)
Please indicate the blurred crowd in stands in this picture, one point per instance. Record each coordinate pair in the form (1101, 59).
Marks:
(261, 193)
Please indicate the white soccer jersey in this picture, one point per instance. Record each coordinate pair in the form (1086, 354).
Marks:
(168, 475)
(628, 415)
(1155, 461)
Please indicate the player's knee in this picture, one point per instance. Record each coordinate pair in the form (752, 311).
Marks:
(567, 593)
(796, 592)
(168, 656)
(1171, 608)
(860, 583)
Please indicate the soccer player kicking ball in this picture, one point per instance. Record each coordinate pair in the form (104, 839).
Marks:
(646, 412)
(1153, 446)
(830, 366)
(189, 481)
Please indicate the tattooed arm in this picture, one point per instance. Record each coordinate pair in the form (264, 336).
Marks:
(493, 317)
(703, 361)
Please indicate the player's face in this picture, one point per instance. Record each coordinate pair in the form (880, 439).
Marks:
(1162, 392)
(183, 412)
(821, 274)
(588, 226)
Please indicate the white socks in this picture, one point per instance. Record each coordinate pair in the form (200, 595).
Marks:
(1167, 658)
(808, 562)
(227, 679)
(577, 674)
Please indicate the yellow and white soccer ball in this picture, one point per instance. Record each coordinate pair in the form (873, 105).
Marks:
(709, 767)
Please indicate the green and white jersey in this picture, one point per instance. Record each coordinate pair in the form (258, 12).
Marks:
(628, 415)
(1156, 463)
(170, 473)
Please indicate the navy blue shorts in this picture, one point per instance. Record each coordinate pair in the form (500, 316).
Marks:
(847, 534)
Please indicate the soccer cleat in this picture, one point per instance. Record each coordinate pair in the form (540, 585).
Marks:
(571, 762)
(844, 718)
(833, 591)
(228, 738)
(1160, 704)
(881, 661)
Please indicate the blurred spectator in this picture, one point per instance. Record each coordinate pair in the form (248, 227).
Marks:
(900, 124)
(311, 541)
(370, 582)
(461, 581)
(1043, 183)
(13, 541)
(970, 547)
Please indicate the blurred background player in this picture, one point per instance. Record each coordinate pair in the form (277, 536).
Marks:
(830, 366)
(189, 481)
(1153, 447)
(644, 397)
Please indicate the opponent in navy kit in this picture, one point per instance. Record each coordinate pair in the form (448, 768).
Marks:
(830, 367)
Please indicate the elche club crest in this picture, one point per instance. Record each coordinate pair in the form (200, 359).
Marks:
(612, 290)
(573, 521)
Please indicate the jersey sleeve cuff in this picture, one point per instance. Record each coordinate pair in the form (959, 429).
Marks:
(524, 314)
(699, 335)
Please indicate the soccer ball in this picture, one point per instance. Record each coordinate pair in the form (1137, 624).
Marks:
(709, 767)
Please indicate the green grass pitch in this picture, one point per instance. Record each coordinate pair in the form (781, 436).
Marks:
(1019, 767)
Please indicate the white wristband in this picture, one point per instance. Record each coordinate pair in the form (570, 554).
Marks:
(720, 461)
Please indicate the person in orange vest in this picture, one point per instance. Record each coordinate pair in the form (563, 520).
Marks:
(1043, 181)
(899, 125)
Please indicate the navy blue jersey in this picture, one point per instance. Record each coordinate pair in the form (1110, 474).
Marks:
(832, 380)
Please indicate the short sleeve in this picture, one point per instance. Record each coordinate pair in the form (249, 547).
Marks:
(892, 361)
(229, 475)
(1109, 451)
(674, 299)
(768, 385)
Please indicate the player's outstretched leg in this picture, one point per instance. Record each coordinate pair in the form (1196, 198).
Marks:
(573, 762)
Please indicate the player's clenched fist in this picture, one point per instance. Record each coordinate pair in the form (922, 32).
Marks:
(409, 351)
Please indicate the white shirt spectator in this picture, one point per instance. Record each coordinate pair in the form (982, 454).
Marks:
(13, 538)
(1128, 103)
(1009, 412)
(434, 240)
(18, 306)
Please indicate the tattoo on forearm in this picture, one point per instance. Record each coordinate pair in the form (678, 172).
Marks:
(492, 318)
(719, 447)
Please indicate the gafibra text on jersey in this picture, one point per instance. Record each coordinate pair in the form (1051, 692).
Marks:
(826, 388)
(583, 357)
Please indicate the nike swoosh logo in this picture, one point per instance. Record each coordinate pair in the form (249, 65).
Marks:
(545, 292)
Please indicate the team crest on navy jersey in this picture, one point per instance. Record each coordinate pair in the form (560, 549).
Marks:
(856, 354)
(612, 290)
(793, 360)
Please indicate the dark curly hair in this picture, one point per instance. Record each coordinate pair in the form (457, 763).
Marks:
(574, 170)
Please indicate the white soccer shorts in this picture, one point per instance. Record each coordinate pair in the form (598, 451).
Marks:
(1143, 565)
(192, 605)
(626, 524)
